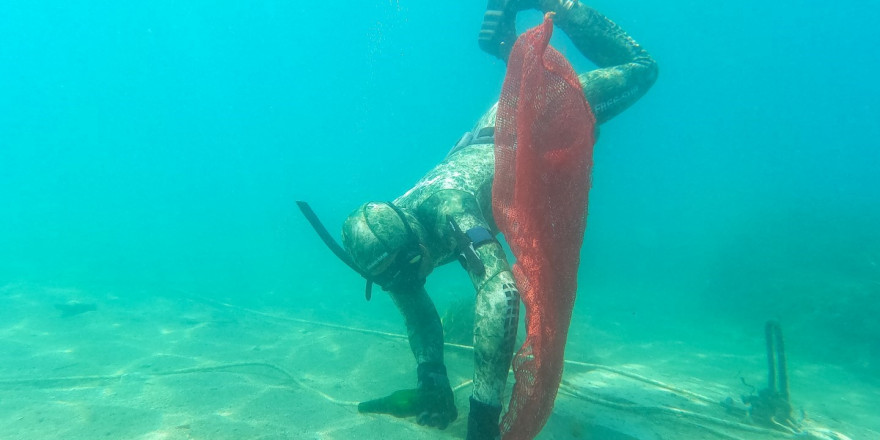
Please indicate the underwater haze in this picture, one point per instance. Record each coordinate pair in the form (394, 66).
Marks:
(151, 153)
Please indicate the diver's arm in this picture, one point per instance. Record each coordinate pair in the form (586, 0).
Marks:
(422, 324)
(426, 341)
(626, 70)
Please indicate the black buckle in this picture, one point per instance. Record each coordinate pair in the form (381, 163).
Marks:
(467, 252)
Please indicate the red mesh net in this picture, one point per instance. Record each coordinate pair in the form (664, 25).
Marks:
(543, 156)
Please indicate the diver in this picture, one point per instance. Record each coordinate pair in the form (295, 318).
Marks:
(447, 216)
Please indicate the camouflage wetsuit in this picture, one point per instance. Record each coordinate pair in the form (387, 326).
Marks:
(460, 188)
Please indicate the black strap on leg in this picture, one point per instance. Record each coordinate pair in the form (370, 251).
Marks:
(467, 243)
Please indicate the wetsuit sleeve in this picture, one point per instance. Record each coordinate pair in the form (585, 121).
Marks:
(626, 70)
(422, 324)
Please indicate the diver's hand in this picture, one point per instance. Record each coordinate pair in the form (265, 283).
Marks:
(435, 396)
(438, 407)
(498, 32)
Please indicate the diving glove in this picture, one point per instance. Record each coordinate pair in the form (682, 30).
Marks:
(432, 403)
(498, 31)
(435, 396)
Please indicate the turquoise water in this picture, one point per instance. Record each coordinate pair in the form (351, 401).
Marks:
(148, 149)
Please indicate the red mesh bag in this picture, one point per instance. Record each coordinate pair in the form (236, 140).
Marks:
(543, 156)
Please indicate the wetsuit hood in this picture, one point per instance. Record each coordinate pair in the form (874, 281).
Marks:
(379, 244)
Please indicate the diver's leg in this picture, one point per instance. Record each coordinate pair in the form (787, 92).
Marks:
(426, 341)
(626, 70)
(497, 313)
(495, 325)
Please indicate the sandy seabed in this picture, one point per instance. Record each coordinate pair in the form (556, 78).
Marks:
(75, 365)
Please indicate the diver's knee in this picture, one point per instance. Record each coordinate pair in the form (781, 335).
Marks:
(498, 297)
(497, 312)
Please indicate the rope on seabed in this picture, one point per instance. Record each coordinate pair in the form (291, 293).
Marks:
(567, 388)
(48, 381)
(587, 365)
(336, 327)
(218, 368)
(572, 391)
